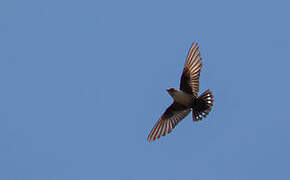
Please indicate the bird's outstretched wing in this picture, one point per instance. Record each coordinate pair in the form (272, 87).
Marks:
(168, 120)
(189, 81)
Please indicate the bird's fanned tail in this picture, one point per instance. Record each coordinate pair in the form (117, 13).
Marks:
(202, 105)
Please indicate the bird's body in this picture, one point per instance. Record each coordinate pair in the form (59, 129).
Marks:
(181, 97)
(185, 98)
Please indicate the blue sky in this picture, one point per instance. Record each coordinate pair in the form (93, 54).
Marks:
(83, 82)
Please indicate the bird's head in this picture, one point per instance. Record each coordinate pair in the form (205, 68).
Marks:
(171, 91)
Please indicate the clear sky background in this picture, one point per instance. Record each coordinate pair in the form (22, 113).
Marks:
(83, 82)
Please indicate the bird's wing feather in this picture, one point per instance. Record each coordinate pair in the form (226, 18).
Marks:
(168, 120)
(189, 81)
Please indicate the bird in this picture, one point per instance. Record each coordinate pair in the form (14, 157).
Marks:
(185, 99)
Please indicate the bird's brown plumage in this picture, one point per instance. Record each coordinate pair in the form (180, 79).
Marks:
(168, 120)
(189, 83)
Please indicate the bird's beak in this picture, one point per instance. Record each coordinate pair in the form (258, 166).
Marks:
(167, 90)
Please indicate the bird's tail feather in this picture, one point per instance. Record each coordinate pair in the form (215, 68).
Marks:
(202, 106)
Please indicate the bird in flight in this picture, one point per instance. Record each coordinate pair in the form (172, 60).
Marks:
(185, 99)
